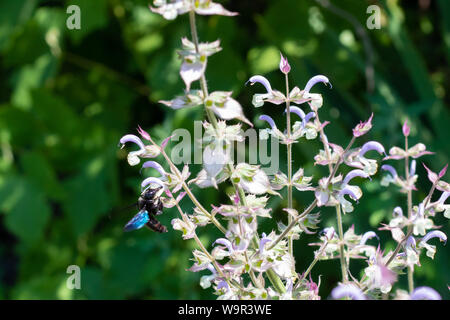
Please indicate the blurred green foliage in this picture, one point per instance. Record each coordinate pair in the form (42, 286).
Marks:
(67, 96)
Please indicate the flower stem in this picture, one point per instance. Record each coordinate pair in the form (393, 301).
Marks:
(292, 224)
(201, 246)
(313, 263)
(341, 244)
(289, 160)
(409, 201)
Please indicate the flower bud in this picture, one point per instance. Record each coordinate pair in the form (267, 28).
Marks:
(284, 65)
(406, 128)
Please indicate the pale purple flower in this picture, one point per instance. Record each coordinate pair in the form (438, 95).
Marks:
(314, 80)
(435, 234)
(308, 117)
(297, 111)
(353, 174)
(348, 290)
(411, 243)
(155, 165)
(262, 80)
(211, 268)
(371, 145)
(301, 114)
(348, 191)
(392, 171)
(269, 120)
(223, 285)
(152, 180)
(226, 243)
(366, 236)
(263, 242)
(131, 138)
(284, 65)
(398, 212)
(425, 293)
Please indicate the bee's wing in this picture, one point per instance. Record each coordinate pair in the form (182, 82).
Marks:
(138, 221)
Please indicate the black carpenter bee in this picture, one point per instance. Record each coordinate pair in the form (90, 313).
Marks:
(149, 205)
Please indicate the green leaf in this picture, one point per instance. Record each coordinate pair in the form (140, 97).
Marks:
(38, 170)
(27, 211)
(90, 196)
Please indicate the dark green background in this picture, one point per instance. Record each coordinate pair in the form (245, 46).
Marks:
(65, 104)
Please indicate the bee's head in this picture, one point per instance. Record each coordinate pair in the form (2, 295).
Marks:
(149, 193)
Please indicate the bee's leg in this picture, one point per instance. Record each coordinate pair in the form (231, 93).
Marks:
(160, 208)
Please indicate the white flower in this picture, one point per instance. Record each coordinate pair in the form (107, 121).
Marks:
(226, 107)
(285, 267)
(215, 157)
(187, 227)
(192, 69)
(190, 99)
(170, 9)
(420, 222)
